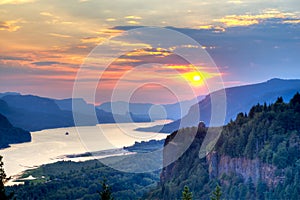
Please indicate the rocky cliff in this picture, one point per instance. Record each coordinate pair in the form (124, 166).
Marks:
(246, 168)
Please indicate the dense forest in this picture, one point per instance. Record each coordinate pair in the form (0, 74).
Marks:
(82, 180)
(268, 136)
(265, 139)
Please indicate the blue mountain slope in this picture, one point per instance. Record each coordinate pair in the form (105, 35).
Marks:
(239, 99)
(10, 134)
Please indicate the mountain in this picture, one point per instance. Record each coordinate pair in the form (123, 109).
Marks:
(256, 157)
(8, 93)
(173, 111)
(239, 99)
(34, 113)
(10, 134)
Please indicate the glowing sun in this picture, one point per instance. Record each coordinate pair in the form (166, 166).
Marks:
(196, 78)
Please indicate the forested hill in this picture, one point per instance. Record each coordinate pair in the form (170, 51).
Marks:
(10, 134)
(256, 157)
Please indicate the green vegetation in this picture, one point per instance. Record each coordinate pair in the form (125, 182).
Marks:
(82, 180)
(145, 147)
(105, 194)
(217, 193)
(186, 194)
(3, 195)
(269, 133)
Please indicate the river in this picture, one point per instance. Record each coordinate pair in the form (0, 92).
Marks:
(51, 145)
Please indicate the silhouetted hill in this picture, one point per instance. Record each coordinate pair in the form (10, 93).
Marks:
(173, 111)
(239, 99)
(10, 134)
(8, 93)
(34, 113)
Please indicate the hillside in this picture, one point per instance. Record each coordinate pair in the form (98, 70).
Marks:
(173, 111)
(256, 157)
(239, 99)
(34, 113)
(10, 134)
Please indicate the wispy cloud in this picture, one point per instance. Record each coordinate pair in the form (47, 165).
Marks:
(95, 40)
(133, 17)
(110, 19)
(292, 21)
(60, 35)
(10, 26)
(46, 63)
(2, 2)
(250, 19)
(235, 1)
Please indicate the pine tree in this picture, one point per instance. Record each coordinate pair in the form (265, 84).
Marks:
(105, 194)
(3, 178)
(186, 194)
(217, 193)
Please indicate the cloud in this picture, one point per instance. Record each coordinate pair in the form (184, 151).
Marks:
(13, 58)
(249, 19)
(292, 21)
(95, 40)
(2, 2)
(235, 1)
(133, 17)
(110, 19)
(46, 14)
(59, 35)
(46, 63)
(133, 22)
(9, 25)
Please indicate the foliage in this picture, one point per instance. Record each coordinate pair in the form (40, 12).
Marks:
(217, 193)
(186, 194)
(105, 193)
(3, 195)
(270, 133)
(81, 180)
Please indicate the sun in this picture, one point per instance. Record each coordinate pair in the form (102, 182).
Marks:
(196, 78)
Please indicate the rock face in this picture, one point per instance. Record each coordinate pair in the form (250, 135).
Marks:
(217, 165)
(246, 168)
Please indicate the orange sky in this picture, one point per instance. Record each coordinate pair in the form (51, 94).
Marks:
(44, 43)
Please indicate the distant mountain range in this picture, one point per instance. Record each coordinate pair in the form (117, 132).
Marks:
(239, 99)
(34, 113)
(173, 111)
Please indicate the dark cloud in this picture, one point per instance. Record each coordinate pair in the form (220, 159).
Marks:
(46, 63)
(13, 58)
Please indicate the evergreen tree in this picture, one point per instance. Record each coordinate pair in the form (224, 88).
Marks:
(217, 193)
(105, 194)
(186, 194)
(3, 178)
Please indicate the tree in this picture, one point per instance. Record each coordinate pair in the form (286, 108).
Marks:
(217, 193)
(4, 179)
(186, 194)
(105, 194)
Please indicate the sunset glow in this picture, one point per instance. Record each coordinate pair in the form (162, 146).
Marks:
(50, 43)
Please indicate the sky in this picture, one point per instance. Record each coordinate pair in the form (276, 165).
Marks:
(45, 44)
